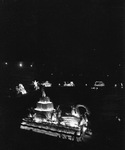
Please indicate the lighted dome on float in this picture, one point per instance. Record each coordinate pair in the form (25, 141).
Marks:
(44, 103)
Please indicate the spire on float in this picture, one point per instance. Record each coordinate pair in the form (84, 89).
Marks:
(43, 93)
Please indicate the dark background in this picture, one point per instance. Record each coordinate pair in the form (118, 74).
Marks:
(87, 33)
(83, 38)
(71, 36)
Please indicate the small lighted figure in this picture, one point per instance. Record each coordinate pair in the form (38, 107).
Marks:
(46, 84)
(54, 116)
(70, 84)
(36, 85)
(20, 89)
(74, 112)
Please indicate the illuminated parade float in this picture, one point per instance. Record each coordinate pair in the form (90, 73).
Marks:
(20, 89)
(47, 120)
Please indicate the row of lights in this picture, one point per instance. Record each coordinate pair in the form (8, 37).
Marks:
(20, 64)
(20, 88)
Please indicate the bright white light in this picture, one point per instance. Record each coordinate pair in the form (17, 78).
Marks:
(6, 63)
(21, 64)
(31, 65)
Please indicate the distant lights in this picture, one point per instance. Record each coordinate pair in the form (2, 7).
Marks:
(70, 84)
(118, 118)
(119, 85)
(6, 63)
(20, 64)
(119, 65)
(99, 84)
(46, 84)
(94, 88)
(122, 85)
(31, 65)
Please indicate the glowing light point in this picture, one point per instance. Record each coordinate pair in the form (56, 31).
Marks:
(6, 63)
(119, 119)
(21, 64)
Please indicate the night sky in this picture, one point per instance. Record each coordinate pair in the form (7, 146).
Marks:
(81, 35)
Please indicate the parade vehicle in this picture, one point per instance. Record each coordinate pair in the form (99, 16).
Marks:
(45, 119)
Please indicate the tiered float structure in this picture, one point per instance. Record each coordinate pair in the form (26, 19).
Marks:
(46, 119)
